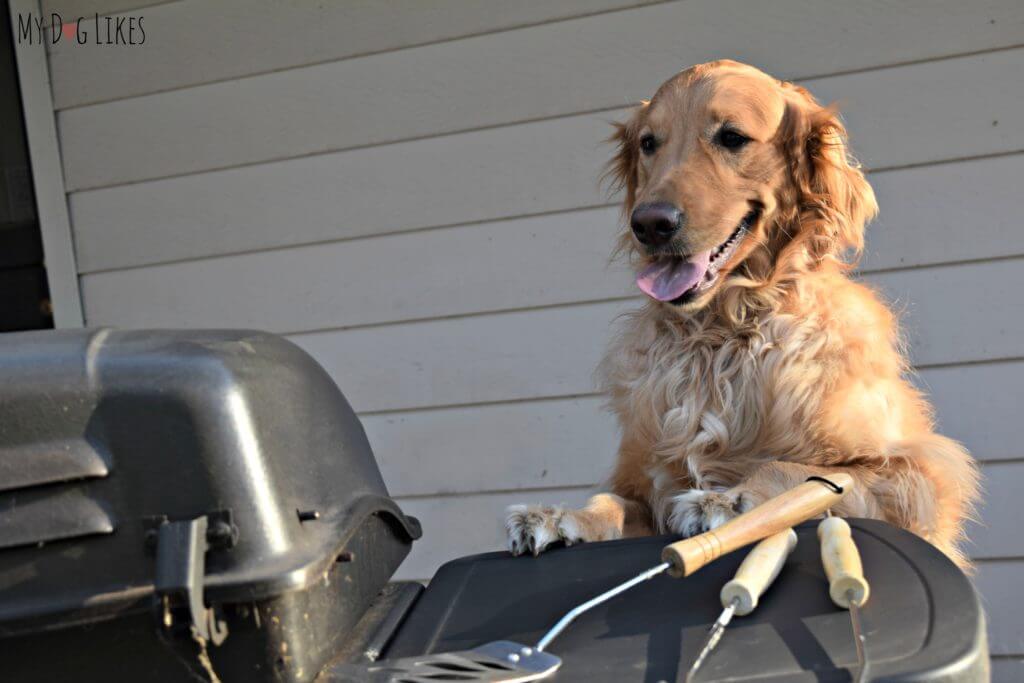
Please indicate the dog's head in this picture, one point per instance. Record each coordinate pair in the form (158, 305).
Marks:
(734, 181)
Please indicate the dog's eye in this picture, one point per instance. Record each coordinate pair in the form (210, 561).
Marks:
(731, 140)
(648, 144)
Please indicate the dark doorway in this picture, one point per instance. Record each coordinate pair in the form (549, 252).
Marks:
(24, 294)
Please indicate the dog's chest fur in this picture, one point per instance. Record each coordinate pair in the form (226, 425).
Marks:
(710, 402)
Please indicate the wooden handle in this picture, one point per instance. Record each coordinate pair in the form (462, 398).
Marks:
(759, 569)
(842, 563)
(796, 505)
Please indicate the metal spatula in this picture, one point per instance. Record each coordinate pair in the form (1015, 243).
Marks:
(504, 661)
(499, 662)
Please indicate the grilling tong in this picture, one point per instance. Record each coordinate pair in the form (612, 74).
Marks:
(505, 661)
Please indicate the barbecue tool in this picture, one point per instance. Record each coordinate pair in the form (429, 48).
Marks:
(508, 662)
(846, 583)
(683, 558)
(740, 595)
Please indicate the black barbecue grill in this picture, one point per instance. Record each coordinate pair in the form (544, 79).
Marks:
(179, 506)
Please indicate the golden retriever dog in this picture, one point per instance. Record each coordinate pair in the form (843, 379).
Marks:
(756, 360)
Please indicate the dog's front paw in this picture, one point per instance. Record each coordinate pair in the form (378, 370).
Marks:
(532, 528)
(695, 511)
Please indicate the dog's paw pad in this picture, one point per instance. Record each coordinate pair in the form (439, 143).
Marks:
(532, 528)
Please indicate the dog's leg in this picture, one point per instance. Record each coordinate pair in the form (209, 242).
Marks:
(925, 485)
(695, 511)
(532, 528)
(929, 485)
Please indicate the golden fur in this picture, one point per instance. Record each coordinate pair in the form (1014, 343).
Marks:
(786, 367)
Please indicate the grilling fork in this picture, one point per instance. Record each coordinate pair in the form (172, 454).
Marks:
(846, 583)
(740, 595)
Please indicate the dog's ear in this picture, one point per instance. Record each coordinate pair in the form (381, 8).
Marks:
(833, 199)
(622, 171)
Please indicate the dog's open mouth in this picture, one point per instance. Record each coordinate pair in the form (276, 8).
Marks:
(678, 279)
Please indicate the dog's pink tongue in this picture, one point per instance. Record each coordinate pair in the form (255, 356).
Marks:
(670, 277)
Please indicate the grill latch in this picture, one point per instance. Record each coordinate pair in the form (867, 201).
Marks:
(181, 548)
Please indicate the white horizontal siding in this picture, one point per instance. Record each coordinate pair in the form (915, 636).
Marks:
(1009, 669)
(962, 312)
(999, 584)
(979, 405)
(553, 351)
(605, 61)
(997, 532)
(427, 183)
(959, 211)
(545, 260)
(569, 442)
(544, 166)
(70, 10)
(197, 41)
(542, 443)
(499, 357)
(931, 216)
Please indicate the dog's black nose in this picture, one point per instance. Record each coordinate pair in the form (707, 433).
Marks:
(655, 223)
